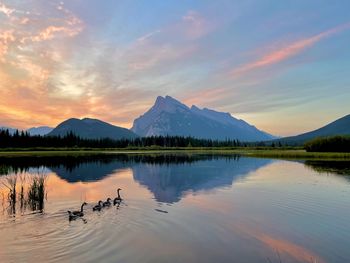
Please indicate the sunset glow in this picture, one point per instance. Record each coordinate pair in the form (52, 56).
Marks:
(266, 63)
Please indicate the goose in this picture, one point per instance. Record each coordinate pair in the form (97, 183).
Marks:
(75, 214)
(118, 199)
(107, 203)
(98, 207)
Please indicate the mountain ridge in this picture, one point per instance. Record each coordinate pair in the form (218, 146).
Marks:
(340, 126)
(33, 131)
(169, 116)
(92, 129)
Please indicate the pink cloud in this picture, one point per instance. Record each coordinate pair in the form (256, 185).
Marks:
(205, 96)
(287, 51)
(154, 48)
(195, 25)
(6, 37)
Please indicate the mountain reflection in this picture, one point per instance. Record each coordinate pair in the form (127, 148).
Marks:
(167, 176)
(169, 183)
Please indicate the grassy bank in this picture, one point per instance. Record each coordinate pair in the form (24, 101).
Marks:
(297, 154)
(264, 152)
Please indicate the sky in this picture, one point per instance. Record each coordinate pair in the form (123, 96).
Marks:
(282, 66)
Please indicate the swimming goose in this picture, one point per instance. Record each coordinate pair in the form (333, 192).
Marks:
(118, 199)
(76, 214)
(107, 203)
(98, 207)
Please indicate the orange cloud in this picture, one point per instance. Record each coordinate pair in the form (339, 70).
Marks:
(50, 33)
(6, 37)
(287, 51)
(205, 96)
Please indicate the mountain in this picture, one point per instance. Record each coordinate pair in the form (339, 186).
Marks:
(339, 127)
(42, 130)
(91, 129)
(11, 130)
(170, 117)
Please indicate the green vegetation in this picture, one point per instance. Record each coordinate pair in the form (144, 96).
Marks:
(329, 144)
(21, 144)
(70, 140)
(264, 152)
(297, 154)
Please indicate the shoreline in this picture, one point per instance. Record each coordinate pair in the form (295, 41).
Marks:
(247, 152)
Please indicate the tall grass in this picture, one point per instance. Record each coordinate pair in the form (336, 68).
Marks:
(23, 190)
(10, 182)
(36, 192)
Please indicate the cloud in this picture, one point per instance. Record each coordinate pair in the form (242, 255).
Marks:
(168, 44)
(6, 38)
(205, 96)
(52, 31)
(112, 82)
(28, 59)
(6, 10)
(150, 56)
(195, 25)
(287, 51)
(148, 36)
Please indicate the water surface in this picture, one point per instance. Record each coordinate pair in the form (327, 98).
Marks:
(178, 208)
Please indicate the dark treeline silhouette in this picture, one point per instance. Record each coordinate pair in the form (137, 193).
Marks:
(24, 140)
(329, 144)
(23, 163)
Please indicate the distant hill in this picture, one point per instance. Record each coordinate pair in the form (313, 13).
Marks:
(338, 127)
(168, 116)
(42, 130)
(11, 130)
(91, 129)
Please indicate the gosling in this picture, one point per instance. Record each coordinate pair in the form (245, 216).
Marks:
(98, 207)
(108, 202)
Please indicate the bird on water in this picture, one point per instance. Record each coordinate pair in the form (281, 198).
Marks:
(108, 202)
(118, 199)
(98, 207)
(75, 214)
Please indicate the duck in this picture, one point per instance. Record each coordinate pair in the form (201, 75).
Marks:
(118, 199)
(98, 207)
(75, 214)
(108, 202)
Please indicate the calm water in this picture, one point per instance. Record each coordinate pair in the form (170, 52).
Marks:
(177, 208)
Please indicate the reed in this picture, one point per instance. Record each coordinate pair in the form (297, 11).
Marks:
(36, 192)
(10, 182)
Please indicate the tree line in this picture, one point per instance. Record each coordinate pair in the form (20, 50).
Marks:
(329, 144)
(25, 140)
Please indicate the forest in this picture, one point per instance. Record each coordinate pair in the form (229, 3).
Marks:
(70, 140)
(329, 144)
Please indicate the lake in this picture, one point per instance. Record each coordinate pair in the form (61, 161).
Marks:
(175, 208)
